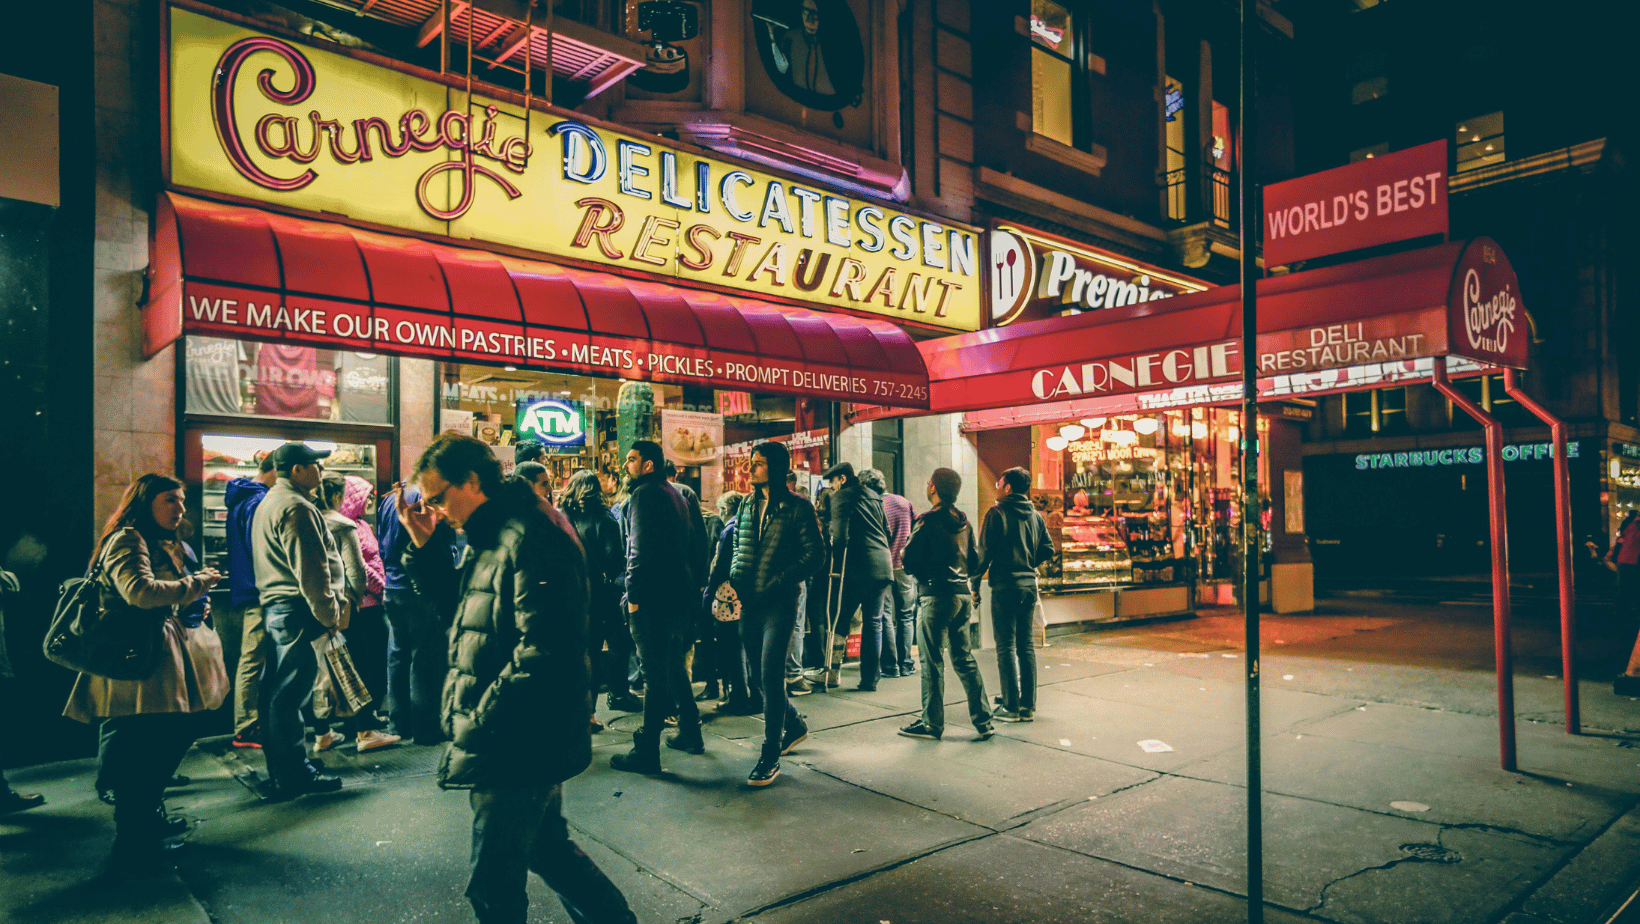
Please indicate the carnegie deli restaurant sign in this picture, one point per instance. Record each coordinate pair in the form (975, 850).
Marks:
(258, 117)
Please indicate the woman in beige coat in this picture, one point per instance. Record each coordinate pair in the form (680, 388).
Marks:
(151, 723)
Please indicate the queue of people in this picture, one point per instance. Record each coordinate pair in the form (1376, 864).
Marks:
(478, 592)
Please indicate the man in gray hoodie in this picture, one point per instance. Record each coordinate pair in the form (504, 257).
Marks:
(1013, 543)
(294, 558)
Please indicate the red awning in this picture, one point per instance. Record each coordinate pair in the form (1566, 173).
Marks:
(1459, 299)
(234, 271)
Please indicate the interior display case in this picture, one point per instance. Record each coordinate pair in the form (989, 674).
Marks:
(1092, 550)
(225, 457)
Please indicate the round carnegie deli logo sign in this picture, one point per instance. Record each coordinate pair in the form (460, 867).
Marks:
(1486, 316)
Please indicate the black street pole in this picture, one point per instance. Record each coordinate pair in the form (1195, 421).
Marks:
(1251, 509)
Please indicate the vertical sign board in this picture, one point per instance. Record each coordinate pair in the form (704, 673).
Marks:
(1370, 202)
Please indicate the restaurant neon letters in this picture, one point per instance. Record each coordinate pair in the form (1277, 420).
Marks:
(255, 116)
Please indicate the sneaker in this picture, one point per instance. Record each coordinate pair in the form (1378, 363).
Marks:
(247, 738)
(301, 785)
(920, 730)
(688, 743)
(765, 772)
(625, 703)
(985, 733)
(20, 802)
(799, 687)
(596, 726)
(371, 740)
(1027, 715)
(794, 736)
(327, 741)
(1005, 714)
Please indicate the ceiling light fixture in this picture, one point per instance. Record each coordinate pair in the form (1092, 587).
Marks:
(1093, 423)
(1057, 443)
(1073, 432)
(1198, 430)
(1145, 425)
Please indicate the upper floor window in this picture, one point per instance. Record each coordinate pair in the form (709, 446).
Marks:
(1369, 77)
(1369, 152)
(1480, 141)
(1053, 49)
(1174, 168)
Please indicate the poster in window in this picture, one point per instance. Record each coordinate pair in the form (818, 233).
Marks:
(691, 439)
(1293, 498)
(214, 375)
(361, 384)
(808, 66)
(674, 48)
(289, 381)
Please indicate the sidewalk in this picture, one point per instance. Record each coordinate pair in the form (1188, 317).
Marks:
(1384, 803)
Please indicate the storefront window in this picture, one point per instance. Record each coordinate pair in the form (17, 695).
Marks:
(1139, 499)
(245, 378)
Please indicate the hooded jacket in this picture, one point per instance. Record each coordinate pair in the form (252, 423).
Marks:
(515, 701)
(1013, 542)
(663, 543)
(293, 553)
(858, 533)
(354, 495)
(241, 495)
(942, 555)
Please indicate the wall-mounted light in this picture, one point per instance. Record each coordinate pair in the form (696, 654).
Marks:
(1145, 425)
(510, 368)
(1057, 443)
(1073, 432)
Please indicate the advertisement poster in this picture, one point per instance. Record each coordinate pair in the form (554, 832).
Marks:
(691, 439)
(457, 421)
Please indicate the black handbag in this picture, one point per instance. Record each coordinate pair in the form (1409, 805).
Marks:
(119, 642)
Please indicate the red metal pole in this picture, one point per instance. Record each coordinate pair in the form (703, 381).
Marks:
(1500, 562)
(1563, 544)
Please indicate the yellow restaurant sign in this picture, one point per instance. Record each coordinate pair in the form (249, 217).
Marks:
(256, 116)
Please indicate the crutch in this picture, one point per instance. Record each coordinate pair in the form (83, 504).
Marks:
(834, 613)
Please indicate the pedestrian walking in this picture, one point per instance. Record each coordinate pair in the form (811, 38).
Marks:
(777, 547)
(10, 799)
(662, 586)
(244, 612)
(944, 559)
(151, 723)
(342, 499)
(301, 601)
(861, 567)
(417, 647)
(900, 608)
(583, 503)
(1014, 542)
(516, 699)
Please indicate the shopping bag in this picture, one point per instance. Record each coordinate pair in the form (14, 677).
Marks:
(338, 690)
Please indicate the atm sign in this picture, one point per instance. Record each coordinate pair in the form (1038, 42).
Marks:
(553, 421)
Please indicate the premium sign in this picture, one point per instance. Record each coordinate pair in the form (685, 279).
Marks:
(1370, 202)
(1034, 275)
(256, 116)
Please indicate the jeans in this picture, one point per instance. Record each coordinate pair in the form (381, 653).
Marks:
(138, 754)
(417, 660)
(253, 655)
(766, 628)
(723, 661)
(1013, 611)
(903, 600)
(518, 829)
(661, 635)
(867, 597)
(292, 667)
(794, 657)
(943, 621)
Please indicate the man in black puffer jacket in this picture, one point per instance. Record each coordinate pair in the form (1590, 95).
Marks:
(515, 704)
(777, 547)
(1013, 543)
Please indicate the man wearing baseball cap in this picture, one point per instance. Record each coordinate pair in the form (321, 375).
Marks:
(295, 562)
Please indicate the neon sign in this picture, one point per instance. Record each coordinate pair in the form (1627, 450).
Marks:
(553, 421)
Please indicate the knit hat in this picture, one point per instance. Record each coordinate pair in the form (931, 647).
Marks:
(946, 484)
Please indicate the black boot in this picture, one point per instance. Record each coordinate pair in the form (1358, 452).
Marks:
(645, 756)
(687, 740)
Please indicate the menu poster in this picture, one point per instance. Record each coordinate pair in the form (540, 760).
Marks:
(452, 420)
(691, 439)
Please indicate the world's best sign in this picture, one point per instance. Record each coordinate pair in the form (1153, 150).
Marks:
(262, 117)
(1374, 201)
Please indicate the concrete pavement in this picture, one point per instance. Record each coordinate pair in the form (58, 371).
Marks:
(1384, 803)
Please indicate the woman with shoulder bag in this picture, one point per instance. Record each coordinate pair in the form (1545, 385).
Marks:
(151, 723)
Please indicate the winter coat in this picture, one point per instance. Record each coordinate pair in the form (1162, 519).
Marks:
(1013, 542)
(777, 551)
(701, 545)
(723, 559)
(191, 676)
(942, 555)
(354, 495)
(516, 704)
(349, 580)
(858, 533)
(661, 537)
(605, 552)
(294, 553)
(241, 495)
